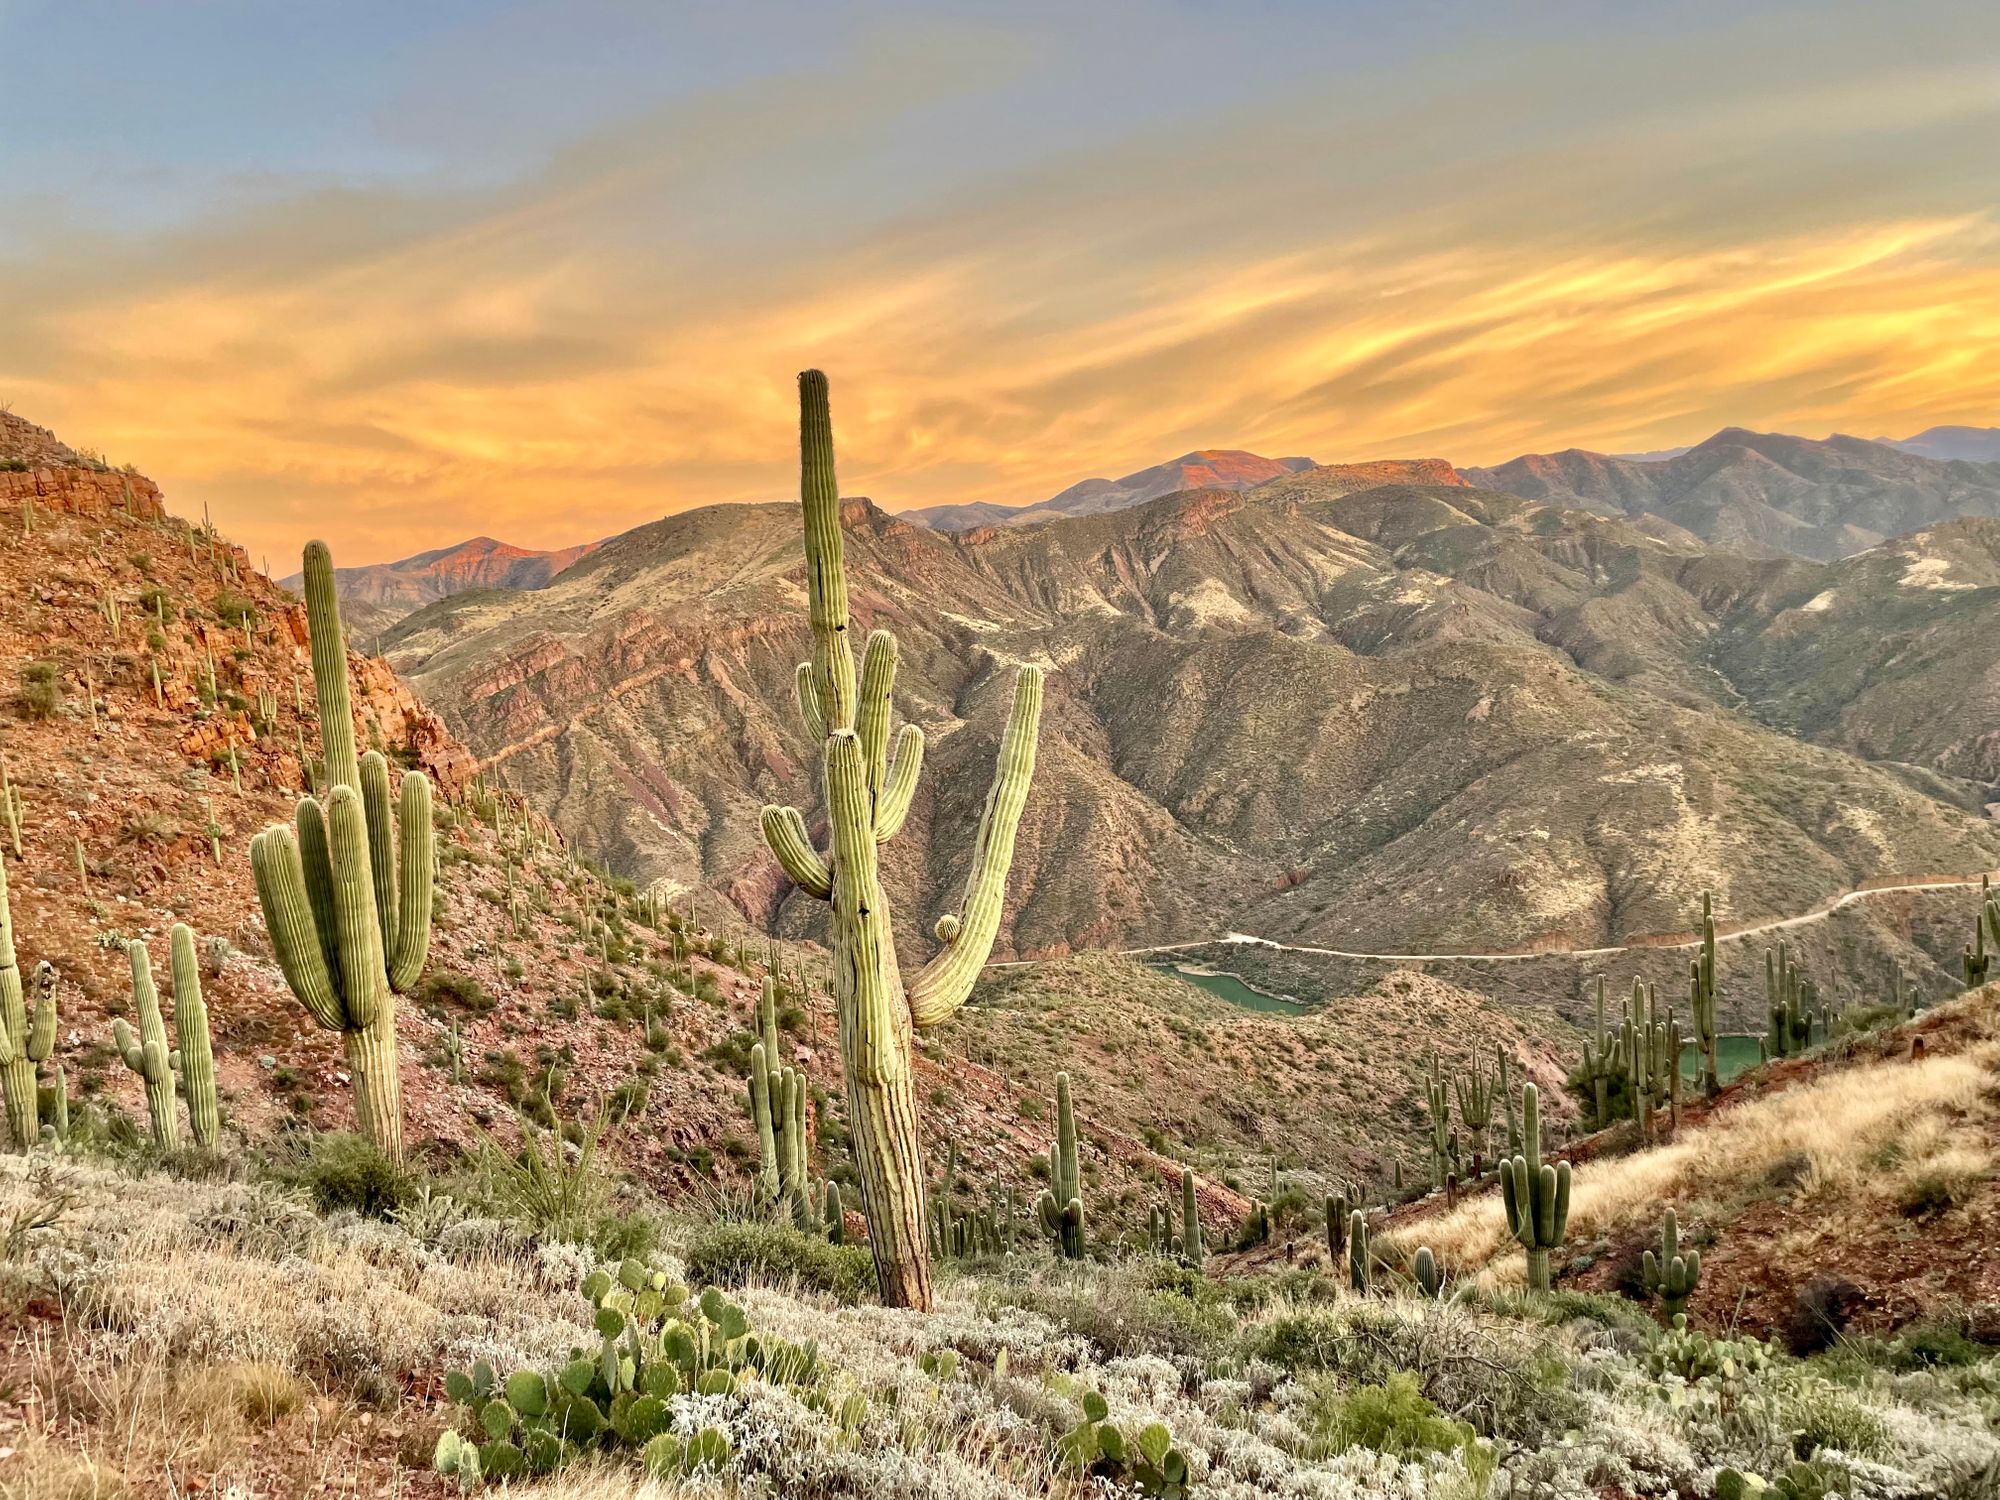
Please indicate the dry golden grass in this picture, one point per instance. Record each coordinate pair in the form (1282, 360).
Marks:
(1887, 1130)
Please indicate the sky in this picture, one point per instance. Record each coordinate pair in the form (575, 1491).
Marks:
(395, 275)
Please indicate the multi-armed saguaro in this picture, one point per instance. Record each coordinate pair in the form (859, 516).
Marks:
(1536, 1194)
(350, 922)
(25, 1040)
(867, 800)
(778, 1106)
(1671, 1275)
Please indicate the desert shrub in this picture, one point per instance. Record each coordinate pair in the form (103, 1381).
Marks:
(454, 990)
(41, 690)
(1155, 1308)
(739, 1253)
(1821, 1415)
(234, 609)
(342, 1170)
(1509, 1378)
(1392, 1418)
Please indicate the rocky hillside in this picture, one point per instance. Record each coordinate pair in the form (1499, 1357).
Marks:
(1765, 493)
(1282, 711)
(139, 797)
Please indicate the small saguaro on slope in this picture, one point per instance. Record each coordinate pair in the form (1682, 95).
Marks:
(867, 799)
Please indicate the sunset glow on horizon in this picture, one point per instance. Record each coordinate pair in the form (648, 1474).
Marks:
(545, 273)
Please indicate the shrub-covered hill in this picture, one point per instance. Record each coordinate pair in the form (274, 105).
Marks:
(550, 990)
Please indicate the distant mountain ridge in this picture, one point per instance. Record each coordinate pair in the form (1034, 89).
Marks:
(1203, 469)
(1764, 494)
(1971, 444)
(376, 595)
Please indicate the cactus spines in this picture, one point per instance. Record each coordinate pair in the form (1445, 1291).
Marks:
(1357, 1250)
(1671, 1275)
(197, 1055)
(1425, 1272)
(147, 1054)
(348, 919)
(1536, 1194)
(1702, 998)
(1061, 1205)
(867, 798)
(26, 1038)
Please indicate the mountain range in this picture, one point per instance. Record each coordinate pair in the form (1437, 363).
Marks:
(1762, 494)
(1327, 709)
(1207, 468)
(377, 594)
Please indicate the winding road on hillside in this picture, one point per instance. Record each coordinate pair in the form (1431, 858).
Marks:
(1776, 924)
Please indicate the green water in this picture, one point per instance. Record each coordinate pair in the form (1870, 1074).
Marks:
(1235, 991)
(1734, 1055)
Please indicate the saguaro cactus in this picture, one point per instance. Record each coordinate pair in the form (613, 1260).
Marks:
(149, 1055)
(1191, 1250)
(1424, 1271)
(1357, 1251)
(867, 800)
(1789, 995)
(1671, 1275)
(1061, 1205)
(778, 1106)
(196, 1054)
(1437, 1097)
(1536, 1194)
(26, 1039)
(349, 920)
(1473, 1088)
(1986, 920)
(1702, 997)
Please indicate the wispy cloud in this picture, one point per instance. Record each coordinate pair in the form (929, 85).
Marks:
(1488, 256)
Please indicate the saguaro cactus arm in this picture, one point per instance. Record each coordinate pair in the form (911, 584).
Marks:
(329, 669)
(785, 832)
(288, 917)
(942, 984)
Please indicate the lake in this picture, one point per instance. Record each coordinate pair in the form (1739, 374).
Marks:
(1228, 987)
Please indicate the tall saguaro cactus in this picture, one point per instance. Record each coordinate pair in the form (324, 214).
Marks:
(1536, 1194)
(348, 912)
(867, 799)
(1702, 997)
(1061, 1205)
(26, 1039)
(197, 1054)
(148, 1055)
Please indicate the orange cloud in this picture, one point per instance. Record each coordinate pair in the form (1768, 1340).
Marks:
(614, 339)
